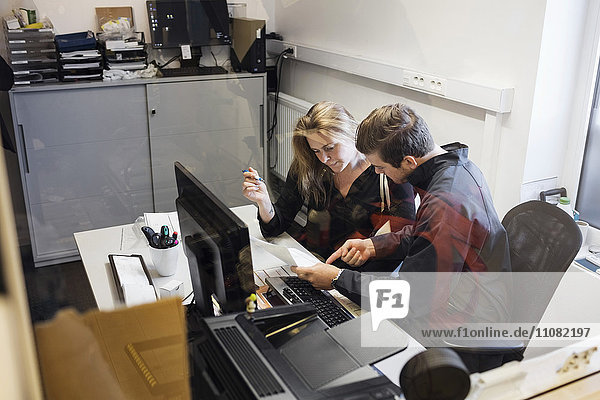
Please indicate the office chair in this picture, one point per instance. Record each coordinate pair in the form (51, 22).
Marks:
(542, 238)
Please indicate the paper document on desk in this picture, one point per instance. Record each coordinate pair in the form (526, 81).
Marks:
(156, 220)
(290, 256)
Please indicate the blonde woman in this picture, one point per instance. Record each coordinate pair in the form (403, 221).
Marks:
(344, 195)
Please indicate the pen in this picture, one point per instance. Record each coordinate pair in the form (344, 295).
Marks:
(257, 178)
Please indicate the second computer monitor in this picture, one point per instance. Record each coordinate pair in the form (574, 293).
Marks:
(196, 23)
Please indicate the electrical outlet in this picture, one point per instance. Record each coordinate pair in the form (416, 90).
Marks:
(424, 82)
(294, 48)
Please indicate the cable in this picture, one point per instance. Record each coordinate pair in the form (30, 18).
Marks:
(274, 122)
(168, 62)
(214, 58)
(271, 130)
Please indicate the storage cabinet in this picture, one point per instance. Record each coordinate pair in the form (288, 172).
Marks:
(85, 164)
(100, 154)
(215, 131)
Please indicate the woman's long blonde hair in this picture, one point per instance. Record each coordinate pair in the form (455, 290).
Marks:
(329, 119)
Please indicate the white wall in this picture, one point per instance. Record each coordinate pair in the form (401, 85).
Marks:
(532, 46)
(556, 78)
(493, 43)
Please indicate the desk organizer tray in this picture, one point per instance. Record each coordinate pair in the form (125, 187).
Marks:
(26, 43)
(33, 57)
(40, 52)
(36, 77)
(29, 34)
(30, 65)
(80, 76)
(75, 41)
(125, 55)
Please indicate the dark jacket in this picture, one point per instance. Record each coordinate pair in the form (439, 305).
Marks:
(456, 227)
(358, 215)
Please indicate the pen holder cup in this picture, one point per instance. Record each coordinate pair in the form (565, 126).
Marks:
(165, 260)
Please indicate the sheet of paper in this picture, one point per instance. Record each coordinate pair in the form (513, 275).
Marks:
(156, 220)
(130, 270)
(130, 239)
(289, 256)
(302, 259)
(138, 294)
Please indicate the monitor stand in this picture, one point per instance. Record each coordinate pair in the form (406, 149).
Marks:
(195, 60)
(192, 62)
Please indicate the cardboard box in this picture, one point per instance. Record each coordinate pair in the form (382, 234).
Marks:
(105, 14)
(132, 353)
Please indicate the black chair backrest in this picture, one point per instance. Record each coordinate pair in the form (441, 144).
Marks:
(542, 238)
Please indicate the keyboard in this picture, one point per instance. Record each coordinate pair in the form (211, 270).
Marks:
(292, 290)
(191, 71)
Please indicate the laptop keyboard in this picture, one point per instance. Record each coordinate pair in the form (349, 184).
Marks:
(297, 290)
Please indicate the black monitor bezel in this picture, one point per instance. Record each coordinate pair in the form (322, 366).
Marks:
(224, 29)
(212, 216)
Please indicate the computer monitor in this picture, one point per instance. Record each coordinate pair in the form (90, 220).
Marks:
(174, 23)
(217, 246)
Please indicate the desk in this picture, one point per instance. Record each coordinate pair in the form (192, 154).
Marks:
(95, 245)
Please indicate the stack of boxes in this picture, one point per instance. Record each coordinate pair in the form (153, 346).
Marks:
(32, 55)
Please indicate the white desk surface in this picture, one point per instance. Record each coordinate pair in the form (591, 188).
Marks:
(95, 245)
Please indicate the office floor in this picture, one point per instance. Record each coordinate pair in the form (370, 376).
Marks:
(55, 287)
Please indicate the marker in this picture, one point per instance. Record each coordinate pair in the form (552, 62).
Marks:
(164, 235)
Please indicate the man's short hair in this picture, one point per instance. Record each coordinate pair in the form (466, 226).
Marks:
(394, 132)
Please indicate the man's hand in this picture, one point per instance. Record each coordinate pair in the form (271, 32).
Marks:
(319, 275)
(354, 252)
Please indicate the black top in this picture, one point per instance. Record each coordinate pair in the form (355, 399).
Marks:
(358, 215)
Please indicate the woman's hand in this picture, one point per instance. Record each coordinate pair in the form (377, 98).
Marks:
(254, 189)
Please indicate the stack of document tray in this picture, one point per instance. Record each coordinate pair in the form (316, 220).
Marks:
(125, 53)
(79, 58)
(32, 55)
